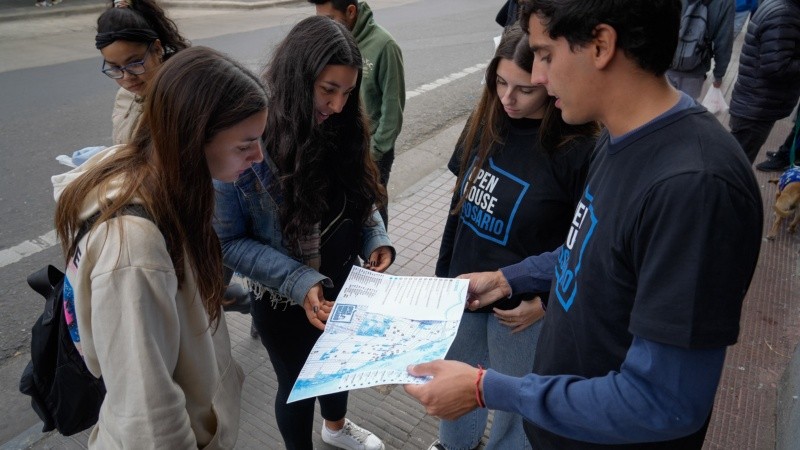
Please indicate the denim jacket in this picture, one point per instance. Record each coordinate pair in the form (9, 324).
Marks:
(248, 225)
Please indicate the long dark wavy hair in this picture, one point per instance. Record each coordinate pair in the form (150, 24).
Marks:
(488, 123)
(315, 158)
(144, 15)
(164, 166)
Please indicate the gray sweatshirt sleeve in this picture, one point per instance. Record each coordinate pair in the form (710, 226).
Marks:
(721, 14)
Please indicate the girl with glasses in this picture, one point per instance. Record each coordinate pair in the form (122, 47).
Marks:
(135, 37)
(143, 290)
(296, 223)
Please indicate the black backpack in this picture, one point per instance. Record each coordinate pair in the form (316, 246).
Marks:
(64, 394)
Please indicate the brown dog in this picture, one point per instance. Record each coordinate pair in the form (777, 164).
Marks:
(787, 199)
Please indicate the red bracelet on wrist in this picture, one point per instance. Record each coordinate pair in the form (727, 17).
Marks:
(477, 387)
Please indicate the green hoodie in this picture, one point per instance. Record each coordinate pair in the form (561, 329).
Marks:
(382, 87)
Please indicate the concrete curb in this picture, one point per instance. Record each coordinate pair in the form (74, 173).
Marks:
(226, 4)
(787, 416)
(26, 439)
(63, 11)
(427, 160)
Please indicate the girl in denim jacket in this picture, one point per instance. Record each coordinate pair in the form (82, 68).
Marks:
(296, 223)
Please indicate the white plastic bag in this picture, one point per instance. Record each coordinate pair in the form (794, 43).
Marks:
(714, 101)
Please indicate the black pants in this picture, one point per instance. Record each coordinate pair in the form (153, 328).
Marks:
(751, 134)
(289, 338)
(786, 147)
(385, 168)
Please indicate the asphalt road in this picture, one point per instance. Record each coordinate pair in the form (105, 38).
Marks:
(55, 101)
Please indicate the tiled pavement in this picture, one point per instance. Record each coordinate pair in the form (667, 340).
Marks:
(744, 412)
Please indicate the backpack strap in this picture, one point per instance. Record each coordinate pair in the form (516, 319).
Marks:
(127, 210)
(45, 281)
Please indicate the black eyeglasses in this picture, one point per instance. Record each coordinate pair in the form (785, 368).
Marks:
(134, 68)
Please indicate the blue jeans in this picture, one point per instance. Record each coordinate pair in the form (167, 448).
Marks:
(691, 84)
(482, 339)
(739, 18)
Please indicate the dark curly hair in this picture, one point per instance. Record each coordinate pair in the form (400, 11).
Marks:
(314, 158)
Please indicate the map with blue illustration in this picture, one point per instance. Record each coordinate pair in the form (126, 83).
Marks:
(380, 325)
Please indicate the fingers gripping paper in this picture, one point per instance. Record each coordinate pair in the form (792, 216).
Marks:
(379, 325)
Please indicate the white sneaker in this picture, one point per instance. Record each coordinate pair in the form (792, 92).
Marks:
(351, 437)
(437, 445)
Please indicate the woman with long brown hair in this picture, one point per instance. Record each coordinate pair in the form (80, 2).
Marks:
(144, 285)
(297, 222)
(520, 172)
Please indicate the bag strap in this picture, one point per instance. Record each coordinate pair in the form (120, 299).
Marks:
(44, 281)
(127, 210)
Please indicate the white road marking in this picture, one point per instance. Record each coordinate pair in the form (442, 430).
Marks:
(18, 252)
(27, 248)
(442, 81)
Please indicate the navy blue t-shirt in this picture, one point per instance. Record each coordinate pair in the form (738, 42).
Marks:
(662, 245)
(520, 204)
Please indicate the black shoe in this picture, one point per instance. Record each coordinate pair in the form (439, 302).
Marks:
(239, 298)
(771, 153)
(773, 165)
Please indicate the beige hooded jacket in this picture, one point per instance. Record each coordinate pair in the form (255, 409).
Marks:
(171, 380)
(125, 116)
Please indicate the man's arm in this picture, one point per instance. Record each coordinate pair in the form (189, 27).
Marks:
(393, 99)
(661, 392)
(723, 40)
(533, 274)
(777, 48)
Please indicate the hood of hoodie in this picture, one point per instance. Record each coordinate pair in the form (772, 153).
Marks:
(90, 202)
(362, 21)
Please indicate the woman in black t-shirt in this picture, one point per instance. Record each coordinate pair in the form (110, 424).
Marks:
(520, 172)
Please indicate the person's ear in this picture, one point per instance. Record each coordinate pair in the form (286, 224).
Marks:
(603, 46)
(158, 49)
(351, 12)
